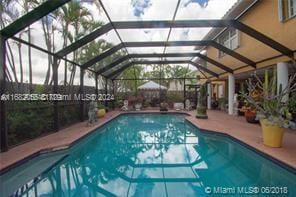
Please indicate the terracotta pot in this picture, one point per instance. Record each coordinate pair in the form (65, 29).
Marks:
(251, 117)
(272, 135)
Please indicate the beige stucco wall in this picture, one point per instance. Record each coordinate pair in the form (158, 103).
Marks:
(264, 18)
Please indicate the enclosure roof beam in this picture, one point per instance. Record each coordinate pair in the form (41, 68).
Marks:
(31, 17)
(207, 23)
(178, 24)
(142, 24)
(198, 66)
(113, 64)
(147, 55)
(169, 44)
(142, 55)
(103, 55)
(262, 38)
(48, 52)
(161, 62)
(214, 62)
(172, 43)
(173, 24)
(84, 40)
(121, 69)
(232, 53)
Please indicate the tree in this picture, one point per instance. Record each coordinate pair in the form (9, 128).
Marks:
(70, 16)
(179, 72)
(135, 71)
(80, 19)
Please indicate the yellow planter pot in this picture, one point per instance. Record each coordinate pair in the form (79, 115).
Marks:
(272, 135)
(101, 113)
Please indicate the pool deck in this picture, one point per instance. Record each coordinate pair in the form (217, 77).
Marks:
(218, 121)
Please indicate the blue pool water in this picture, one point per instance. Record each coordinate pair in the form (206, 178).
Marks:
(149, 155)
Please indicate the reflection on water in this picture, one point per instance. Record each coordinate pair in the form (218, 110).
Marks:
(154, 155)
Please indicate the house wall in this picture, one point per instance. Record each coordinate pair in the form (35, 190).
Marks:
(264, 18)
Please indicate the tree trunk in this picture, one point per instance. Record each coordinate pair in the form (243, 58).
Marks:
(30, 61)
(66, 64)
(48, 44)
(20, 65)
(12, 62)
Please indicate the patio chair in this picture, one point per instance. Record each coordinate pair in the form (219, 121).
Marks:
(178, 106)
(125, 105)
(138, 106)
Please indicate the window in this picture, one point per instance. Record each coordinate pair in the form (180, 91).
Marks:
(229, 39)
(292, 8)
(287, 9)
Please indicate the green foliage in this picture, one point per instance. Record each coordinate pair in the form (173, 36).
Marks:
(222, 103)
(132, 73)
(69, 115)
(202, 96)
(201, 110)
(273, 106)
(40, 89)
(101, 106)
(292, 104)
(27, 121)
(174, 97)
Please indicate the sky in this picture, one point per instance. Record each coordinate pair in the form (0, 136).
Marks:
(132, 10)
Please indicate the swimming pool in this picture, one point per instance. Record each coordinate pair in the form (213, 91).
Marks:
(149, 155)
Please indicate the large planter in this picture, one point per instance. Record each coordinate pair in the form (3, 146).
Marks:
(251, 117)
(272, 135)
(101, 113)
(201, 112)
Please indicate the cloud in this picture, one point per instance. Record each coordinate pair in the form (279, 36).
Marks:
(135, 10)
(140, 6)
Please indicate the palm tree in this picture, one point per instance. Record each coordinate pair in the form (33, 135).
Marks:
(7, 15)
(135, 71)
(65, 18)
(79, 18)
(180, 72)
(27, 5)
(7, 12)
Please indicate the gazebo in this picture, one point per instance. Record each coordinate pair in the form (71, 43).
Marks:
(151, 90)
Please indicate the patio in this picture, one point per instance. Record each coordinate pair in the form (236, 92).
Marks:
(68, 68)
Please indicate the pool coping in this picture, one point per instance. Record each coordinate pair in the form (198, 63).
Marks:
(120, 113)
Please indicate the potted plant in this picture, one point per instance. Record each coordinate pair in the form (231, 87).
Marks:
(215, 104)
(201, 109)
(222, 103)
(101, 110)
(273, 109)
